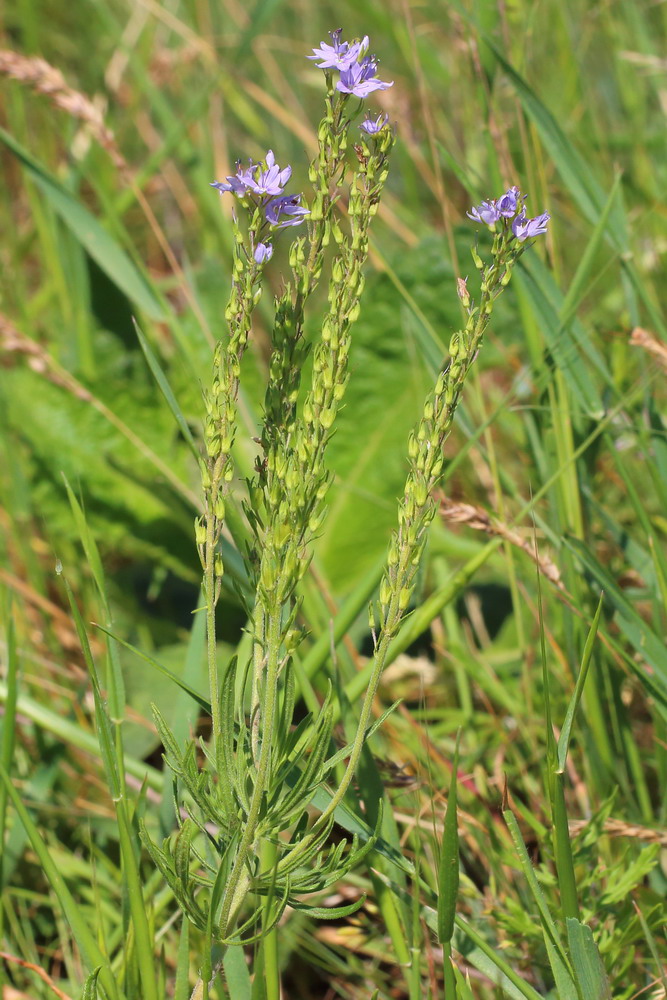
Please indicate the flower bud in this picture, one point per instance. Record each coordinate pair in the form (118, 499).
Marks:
(404, 597)
(462, 291)
(317, 208)
(385, 591)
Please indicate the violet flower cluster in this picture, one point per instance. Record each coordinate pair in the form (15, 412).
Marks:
(261, 185)
(511, 206)
(357, 70)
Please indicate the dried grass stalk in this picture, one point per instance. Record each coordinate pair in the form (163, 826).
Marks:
(650, 343)
(478, 519)
(45, 79)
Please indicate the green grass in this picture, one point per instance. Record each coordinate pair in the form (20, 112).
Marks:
(560, 439)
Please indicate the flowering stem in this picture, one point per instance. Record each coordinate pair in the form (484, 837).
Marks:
(217, 469)
(417, 507)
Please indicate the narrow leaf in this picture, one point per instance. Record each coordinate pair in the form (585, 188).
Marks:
(448, 869)
(586, 962)
(166, 391)
(95, 240)
(80, 930)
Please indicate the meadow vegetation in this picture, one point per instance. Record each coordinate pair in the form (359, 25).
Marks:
(505, 819)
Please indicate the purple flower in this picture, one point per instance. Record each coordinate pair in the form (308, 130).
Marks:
(509, 202)
(240, 183)
(272, 180)
(287, 204)
(340, 55)
(488, 213)
(360, 79)
(525, 229)
(263, 252)
(371, 127)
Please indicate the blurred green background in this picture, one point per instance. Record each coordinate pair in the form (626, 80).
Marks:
(115, 118)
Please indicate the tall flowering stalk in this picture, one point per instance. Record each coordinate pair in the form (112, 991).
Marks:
(260, 772)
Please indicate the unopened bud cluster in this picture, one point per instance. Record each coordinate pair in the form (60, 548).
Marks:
(220, 402)
(292, 471)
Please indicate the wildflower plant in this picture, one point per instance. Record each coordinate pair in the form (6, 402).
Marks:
(248, 845)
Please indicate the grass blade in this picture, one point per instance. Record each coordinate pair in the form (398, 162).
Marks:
(448, 879)
(95, 240)
(166, 391)
(90, 950)
(588, 968)
(558, 959)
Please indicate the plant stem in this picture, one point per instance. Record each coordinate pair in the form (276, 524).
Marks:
(231, 902)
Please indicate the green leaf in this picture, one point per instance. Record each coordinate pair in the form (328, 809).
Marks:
(167, 391)
(329, 912)
(115, 683)
(182, 984)
(583, 276)
(198, 698)
(90, 985)
(87, 230)
(558, 960)
(566, 731)
(637, 632)
(546, 303)
(448, 868)
(237, 975)
(85, 940)
(588, 968)
(631, 874)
